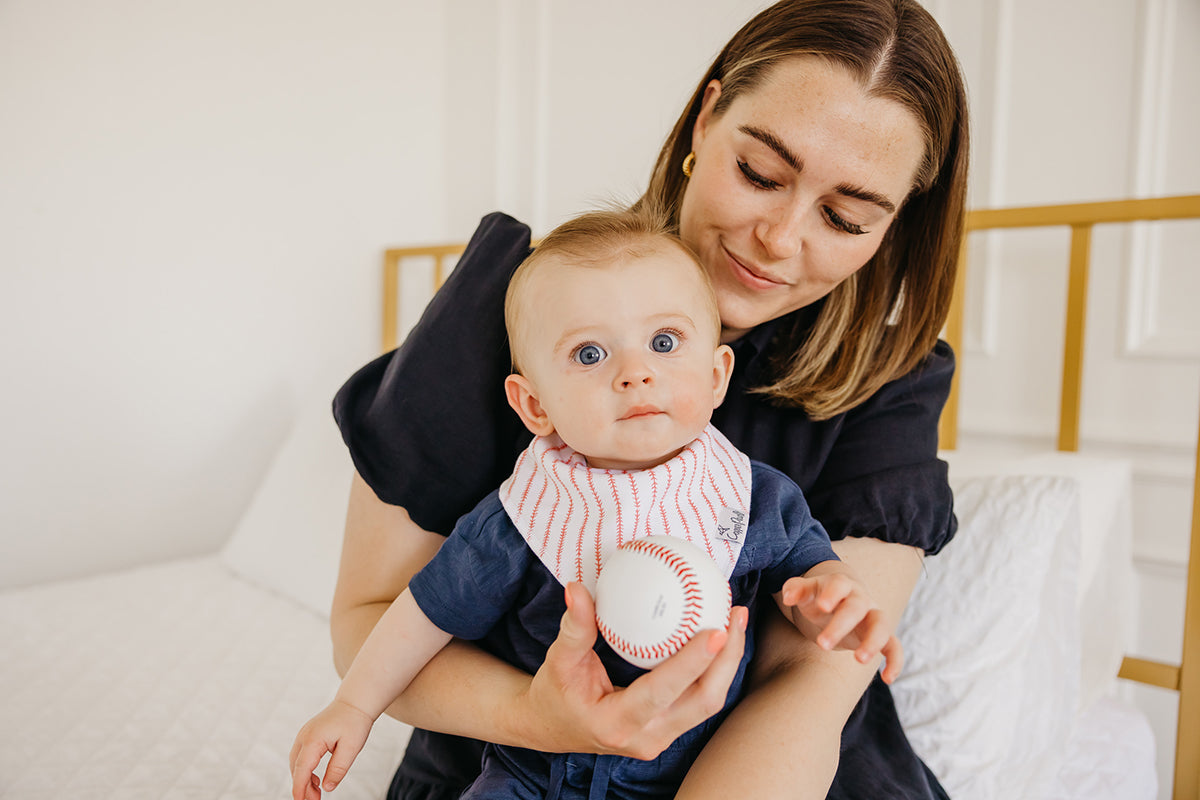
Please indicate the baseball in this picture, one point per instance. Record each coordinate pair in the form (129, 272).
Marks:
(654, 594)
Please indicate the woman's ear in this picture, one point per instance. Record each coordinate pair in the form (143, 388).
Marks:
(722, 372)
(521, 397)
(704, 117)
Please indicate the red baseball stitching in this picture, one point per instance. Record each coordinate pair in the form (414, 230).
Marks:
(690, 614)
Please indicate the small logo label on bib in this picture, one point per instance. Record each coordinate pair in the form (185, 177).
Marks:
(731, 525)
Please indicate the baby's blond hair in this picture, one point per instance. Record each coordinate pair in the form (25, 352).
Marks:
(596, 239)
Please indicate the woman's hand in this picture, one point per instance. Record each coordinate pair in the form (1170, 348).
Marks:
(573, 707)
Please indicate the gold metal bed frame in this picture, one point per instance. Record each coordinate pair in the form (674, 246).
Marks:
(1183, 678)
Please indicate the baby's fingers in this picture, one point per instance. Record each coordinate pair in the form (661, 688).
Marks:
(873, 636)
(344, 753)
(305, 759)
(894, 654)
(844, 622)
(799, 591)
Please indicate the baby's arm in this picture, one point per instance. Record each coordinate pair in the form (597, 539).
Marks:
(401, 644)
(831, 607)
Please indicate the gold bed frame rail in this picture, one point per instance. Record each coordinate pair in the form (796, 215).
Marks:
(1081, 218)
(391, 281)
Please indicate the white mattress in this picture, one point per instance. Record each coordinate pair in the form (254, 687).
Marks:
(1110, 754)
(175, 681)
(184, 681)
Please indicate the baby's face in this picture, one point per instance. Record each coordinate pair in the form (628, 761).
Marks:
(623, 358)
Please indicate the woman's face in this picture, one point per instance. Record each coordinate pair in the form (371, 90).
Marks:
(793, 188)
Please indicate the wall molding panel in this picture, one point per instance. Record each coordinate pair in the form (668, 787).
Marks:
(1153, 247)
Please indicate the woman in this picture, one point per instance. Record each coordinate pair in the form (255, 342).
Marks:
(819, 172)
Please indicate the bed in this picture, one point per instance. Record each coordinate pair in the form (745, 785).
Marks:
(188, 679)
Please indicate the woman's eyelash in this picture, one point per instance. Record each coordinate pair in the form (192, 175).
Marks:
(758, 180)
(842, 225)
(834, 218)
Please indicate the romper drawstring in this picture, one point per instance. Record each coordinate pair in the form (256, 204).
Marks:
(597, 789)
(600, 775)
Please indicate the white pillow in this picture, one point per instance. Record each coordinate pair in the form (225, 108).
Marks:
(991, 637)
(290, 538)
(1106, 596)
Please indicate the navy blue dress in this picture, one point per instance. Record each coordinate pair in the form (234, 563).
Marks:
(429, 429)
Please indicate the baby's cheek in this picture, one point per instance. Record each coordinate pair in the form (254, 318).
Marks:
(695, 409)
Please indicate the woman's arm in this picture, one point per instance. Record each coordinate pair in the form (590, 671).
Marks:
(567, 706)
(784, 736)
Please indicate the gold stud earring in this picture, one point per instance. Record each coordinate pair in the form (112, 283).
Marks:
(689, 161)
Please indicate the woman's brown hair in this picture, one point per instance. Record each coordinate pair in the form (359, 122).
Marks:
(880, 322)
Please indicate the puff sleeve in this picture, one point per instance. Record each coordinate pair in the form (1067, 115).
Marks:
(427, 425)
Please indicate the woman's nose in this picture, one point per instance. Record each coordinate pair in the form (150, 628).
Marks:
(782, 234)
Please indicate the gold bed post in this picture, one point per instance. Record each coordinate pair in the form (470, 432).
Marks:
(1071, 394)
(1187, 738)
(948, 422)
(391, 301)
(1081, 218)
(391, 283)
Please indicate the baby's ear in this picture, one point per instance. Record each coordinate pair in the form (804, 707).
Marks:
(722, 372)
(523, 399)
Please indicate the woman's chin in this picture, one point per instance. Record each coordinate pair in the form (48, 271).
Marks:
(737, 319)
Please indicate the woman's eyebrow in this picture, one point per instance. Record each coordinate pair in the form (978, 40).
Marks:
(795, 162)
(775, 143)
(867, 195)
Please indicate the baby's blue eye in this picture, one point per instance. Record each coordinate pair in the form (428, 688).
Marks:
(664, 342)
(590, 354)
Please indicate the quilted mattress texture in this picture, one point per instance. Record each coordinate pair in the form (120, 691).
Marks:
(168, 682)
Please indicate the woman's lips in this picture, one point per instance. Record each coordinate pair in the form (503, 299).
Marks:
(749, 276)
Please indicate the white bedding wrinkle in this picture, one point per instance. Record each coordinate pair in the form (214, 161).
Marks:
(988, 692)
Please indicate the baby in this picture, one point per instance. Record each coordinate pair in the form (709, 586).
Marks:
(618, 365)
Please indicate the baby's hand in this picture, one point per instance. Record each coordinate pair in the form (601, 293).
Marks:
(341, 729)
(834, 610)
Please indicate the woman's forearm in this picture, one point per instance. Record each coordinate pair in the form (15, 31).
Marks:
(467, 692)
(785, 734)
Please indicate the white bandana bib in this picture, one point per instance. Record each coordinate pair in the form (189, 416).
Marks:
(573, 516)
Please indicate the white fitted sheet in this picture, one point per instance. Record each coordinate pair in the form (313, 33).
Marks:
(173, 681)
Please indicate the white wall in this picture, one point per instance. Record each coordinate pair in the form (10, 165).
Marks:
(193, 199)
(565, 104)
